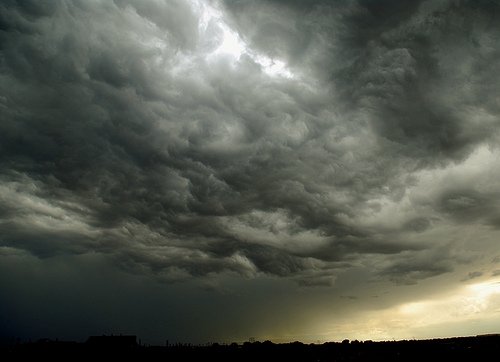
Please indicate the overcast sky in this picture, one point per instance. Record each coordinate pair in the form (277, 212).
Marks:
(218, 170)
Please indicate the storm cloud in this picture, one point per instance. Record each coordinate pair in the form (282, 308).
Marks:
(303, 141)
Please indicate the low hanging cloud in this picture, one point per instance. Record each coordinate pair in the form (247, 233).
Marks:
(295, 139)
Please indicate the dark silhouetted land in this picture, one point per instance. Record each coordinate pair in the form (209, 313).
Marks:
(477, 348)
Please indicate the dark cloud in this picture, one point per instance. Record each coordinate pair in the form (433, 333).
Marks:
(409, 268)
(473, 275)
(418, 225)
(395, 69)
(97, 116)
(296, 140)
(468, 205)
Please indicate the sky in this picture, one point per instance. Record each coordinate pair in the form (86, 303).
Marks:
(200, 171)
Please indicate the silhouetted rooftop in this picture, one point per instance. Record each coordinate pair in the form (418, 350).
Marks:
(120, 341)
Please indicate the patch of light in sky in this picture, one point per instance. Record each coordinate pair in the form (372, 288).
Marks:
(232, 45)
(451, 312)
(485, 290)
(467, 303)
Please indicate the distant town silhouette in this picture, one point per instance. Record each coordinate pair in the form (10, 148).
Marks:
(477, 348)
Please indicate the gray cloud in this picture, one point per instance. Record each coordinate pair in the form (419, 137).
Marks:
(125, 134)
(473, 275)
(98, 116)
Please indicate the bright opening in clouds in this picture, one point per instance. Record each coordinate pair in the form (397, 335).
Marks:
(314, 169)
(229, 42)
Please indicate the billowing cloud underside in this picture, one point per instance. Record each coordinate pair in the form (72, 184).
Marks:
(195, 138)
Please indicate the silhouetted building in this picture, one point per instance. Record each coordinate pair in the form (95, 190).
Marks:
(118, 342)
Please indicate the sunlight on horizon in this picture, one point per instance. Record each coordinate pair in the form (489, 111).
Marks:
(442, 316)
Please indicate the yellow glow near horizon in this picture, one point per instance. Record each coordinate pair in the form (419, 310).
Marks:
(486, 289)
(469, 302)
(449, 314)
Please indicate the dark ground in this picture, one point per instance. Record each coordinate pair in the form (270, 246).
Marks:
(478, 348)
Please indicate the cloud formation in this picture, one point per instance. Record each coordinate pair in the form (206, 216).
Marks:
(307, 141)
(127, 132)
